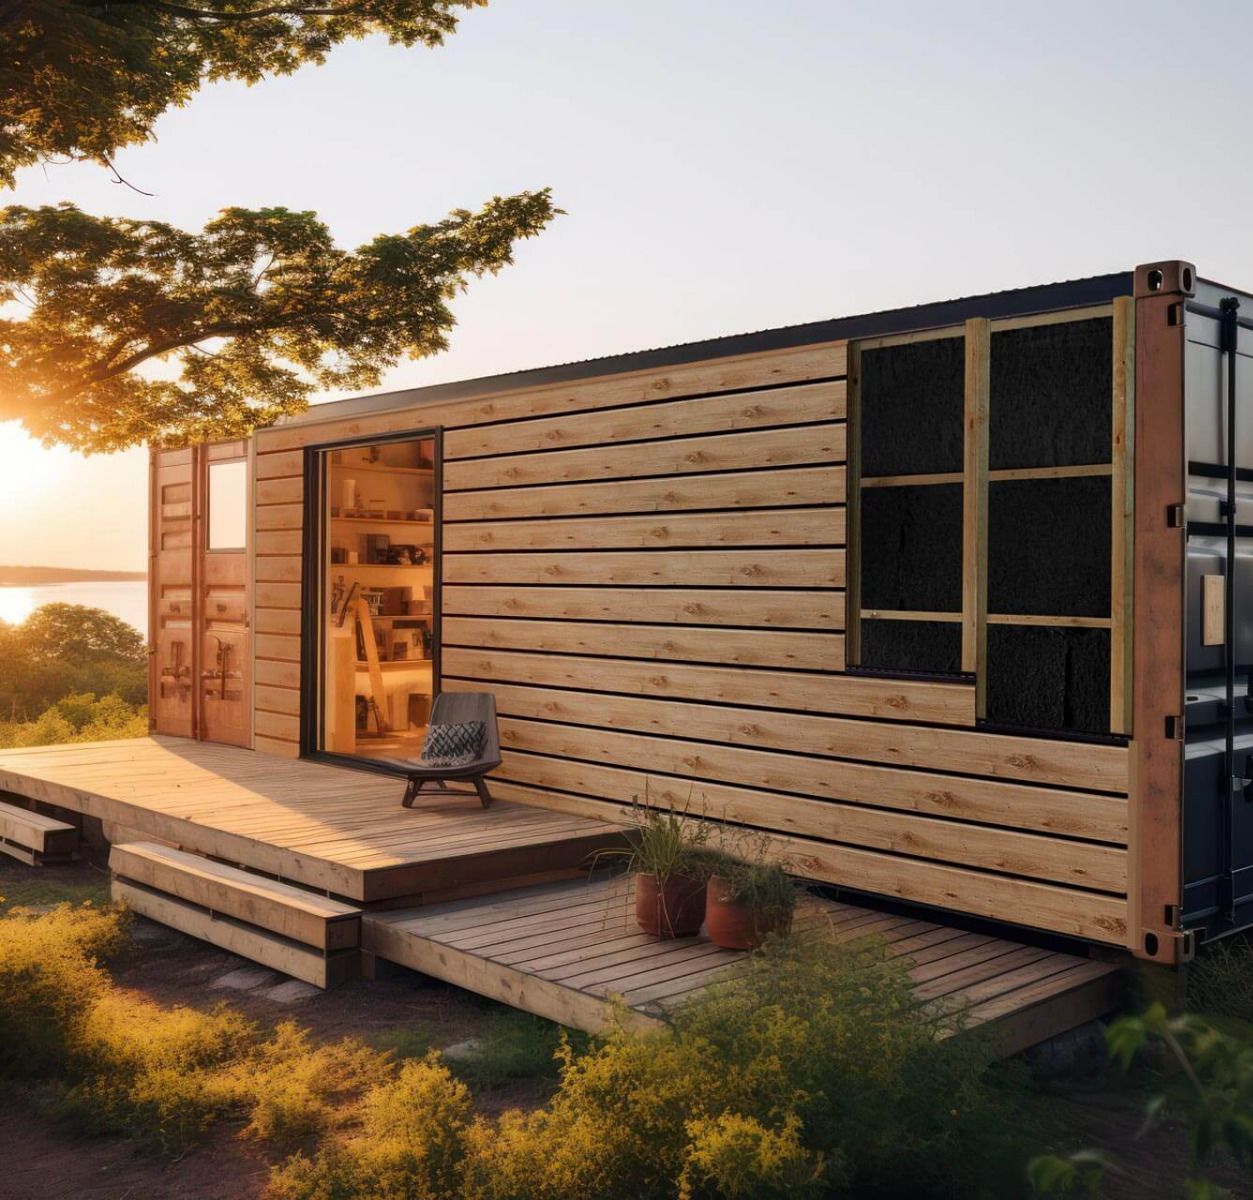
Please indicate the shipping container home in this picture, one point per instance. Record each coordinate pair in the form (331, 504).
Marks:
(950, 600)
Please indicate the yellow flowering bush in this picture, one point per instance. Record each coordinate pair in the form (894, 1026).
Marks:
(49, 981)
(411, 1146)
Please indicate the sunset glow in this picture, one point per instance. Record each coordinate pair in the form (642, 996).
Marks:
(28, 472)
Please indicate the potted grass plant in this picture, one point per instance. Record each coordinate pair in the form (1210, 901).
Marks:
(670, 865)
(747, 900)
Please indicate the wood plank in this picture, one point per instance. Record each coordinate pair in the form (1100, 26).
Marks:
(36, 831)
(272, 673)
(278, 620)
(885, 699)
(497, 401)
(750, 607)
(988, 802)
(278, 568)
(272, 906)
(289, 957)
(975, 507)
(795, 487)
(1068, 911)
(281, 465)
(798, 405)
(279, 491)
(664, 643)
(688, 568)
(278, 595)
(278, 700)
(804, 446)
(1122, 510)
(772, 527)
(897, 831)
(280, 517)
(506, 984)
(277, 725)
(276, 747)
(1156, 815)
(282, 647)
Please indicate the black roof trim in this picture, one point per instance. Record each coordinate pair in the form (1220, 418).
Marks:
(1019, 302)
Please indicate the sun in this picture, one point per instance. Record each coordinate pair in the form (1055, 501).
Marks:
(27, 470)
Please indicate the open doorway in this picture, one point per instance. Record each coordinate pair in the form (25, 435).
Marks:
(377, 598)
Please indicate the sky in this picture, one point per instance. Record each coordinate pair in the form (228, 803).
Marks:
(724, 165)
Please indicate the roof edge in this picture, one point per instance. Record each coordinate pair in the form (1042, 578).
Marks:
(1017, 302)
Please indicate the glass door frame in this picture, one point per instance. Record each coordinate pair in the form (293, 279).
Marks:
(313, 588)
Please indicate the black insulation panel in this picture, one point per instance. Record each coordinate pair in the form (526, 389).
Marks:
(1050, 402)
(1049, 546)
(915, 647)
(912, 400)
(911, 548)
(1048, 678)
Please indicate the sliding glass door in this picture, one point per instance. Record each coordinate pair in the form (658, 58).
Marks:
(377, 602)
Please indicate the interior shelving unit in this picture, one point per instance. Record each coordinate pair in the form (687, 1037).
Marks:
(379, 603)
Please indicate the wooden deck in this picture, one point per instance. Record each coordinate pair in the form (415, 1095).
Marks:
(338, 831)
(564, 950)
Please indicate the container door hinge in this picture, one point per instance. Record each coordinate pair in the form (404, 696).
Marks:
(1175, 516)
(1174, 729)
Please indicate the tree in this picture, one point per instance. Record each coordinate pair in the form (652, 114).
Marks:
(81, 78)
(260, 310)
(77, 633)
(68, 648)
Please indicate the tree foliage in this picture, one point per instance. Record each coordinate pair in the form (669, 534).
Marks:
(68, 648)
(81, 78)
(260, 310)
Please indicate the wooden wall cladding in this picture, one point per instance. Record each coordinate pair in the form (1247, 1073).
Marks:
(648, 571)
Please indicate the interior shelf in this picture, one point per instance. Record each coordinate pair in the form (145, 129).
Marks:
(386, 521)
(393, 663)
(426, 471)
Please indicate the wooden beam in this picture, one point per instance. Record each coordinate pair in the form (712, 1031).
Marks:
(1155, 862)
(1122, 509)
(975, 507)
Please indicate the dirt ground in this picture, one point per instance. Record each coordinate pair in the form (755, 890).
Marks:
(403, 1011)
(409, 1013)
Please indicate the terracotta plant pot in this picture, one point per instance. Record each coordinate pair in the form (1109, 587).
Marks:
(735, 926)
(676, 908)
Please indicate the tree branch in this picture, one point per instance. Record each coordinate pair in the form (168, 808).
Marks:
(212, 14)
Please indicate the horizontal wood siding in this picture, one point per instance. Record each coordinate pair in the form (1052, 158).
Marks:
(648, 572)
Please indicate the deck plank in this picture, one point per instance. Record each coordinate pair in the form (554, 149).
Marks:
(570, 950)
(330, 828)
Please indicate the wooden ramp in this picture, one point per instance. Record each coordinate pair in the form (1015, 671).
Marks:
(334, 830)
(564, 950)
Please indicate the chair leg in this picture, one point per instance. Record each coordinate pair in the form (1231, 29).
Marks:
(412, 789)
(480, 786)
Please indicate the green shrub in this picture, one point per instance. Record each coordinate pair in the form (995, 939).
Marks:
(738, 1157)
(151, 1072)
(295, 1090)
(49, 981)
(1220, 979)
(411, 1146)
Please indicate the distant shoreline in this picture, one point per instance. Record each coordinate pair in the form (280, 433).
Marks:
(43, 576)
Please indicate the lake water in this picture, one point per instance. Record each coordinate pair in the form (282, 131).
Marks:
(126, 598)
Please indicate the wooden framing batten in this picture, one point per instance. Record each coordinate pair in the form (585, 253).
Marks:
(852, 509)
(1122, 510)
(975, 505)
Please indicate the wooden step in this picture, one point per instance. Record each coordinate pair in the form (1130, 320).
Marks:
(300, 933)
(301, 962)
(280, 908)
(34, 838)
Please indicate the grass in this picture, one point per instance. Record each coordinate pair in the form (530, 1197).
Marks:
(45, 887)
(515, 1045)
